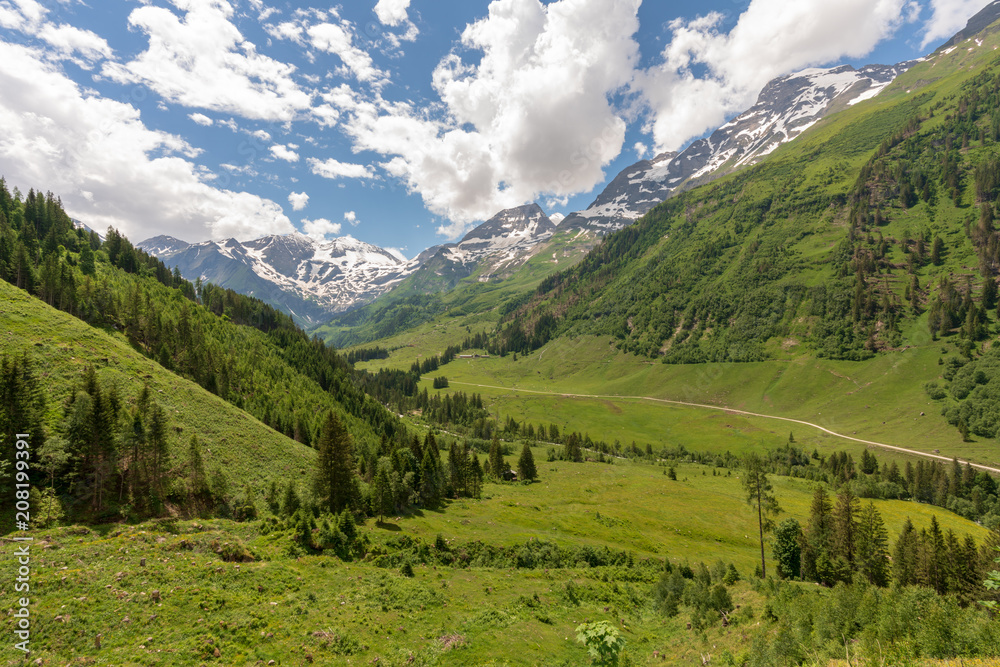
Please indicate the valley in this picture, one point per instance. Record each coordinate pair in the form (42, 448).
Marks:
(743, 410)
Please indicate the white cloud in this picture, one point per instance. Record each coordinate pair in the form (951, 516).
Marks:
(352, 217)
(320, 228)
(335, 169)
(22, 14)
(99, 156)
(201, 119)
(948, 17)
(771, 38)
(67, 40)
(392, 12)
(202, 60)
(298, 200)
(335, 38)
(398, 253)
(531, 116)
(641, 149)
(83, 47)
(285, 152)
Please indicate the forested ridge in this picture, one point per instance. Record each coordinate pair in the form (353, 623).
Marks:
(730, 270)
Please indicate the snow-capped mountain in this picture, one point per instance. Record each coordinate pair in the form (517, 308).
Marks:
(310, 279)
(492, 250)
(785, 108)
(505, 241)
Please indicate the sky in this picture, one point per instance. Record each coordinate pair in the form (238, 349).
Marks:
(401, 123)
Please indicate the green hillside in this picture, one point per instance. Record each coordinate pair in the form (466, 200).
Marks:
(61, 347)
(827, 244)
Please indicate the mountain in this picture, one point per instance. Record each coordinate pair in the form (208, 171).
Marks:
(980, 23)
(859, 238)
(785, 108)
(492, 250)
(312, 280)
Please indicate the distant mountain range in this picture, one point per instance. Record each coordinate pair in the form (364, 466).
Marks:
(314, 280)
(310, 279)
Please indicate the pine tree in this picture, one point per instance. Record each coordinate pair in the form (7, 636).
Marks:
(905, 556)
(760, 496)
(430, 484)
(872, 557)
(495, 464)
(383, 495)
(335, 483)
(475, 474)
(526, 470)
(845, 525)
(818, 537)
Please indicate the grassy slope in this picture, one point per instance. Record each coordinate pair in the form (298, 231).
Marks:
(272, 608)
(61, 346)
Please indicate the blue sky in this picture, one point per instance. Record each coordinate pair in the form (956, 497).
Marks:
(402, 123)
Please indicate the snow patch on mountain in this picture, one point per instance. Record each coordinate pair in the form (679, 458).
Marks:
(785, 108)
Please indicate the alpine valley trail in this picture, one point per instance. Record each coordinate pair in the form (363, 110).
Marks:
(881, 445)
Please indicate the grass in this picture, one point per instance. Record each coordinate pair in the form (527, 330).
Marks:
(61, 347)
(286, 606)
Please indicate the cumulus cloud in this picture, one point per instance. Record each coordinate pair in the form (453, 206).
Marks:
(82, 47)
(352, 218)
(320, 228)
(948, 17)
(531, 115)
(335, 169)
(109, 168)
(298, 200)
(201, 119)
(771, 38)
(392, 12)
(285, 152)
(335, 38)
(202, 60)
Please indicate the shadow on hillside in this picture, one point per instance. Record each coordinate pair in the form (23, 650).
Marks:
(385, 525)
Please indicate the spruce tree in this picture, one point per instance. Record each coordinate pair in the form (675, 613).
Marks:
(335, 483)
(383, 495)
(430, 483)
(872, 557)
(526, 465)
(495, 464)
(905, 556)
(845, 525)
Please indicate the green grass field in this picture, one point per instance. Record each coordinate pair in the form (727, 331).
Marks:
(286, 606)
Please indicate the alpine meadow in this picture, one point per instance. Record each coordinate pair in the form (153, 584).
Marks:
(742, 411)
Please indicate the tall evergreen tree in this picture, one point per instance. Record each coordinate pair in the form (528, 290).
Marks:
(335, 483)
(495, 464)
(845, 520)
(760, 496)
(526, 465)
(383, 495)
(905, 556)
(872, 547)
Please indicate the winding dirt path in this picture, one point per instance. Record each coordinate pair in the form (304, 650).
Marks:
(882, 445)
